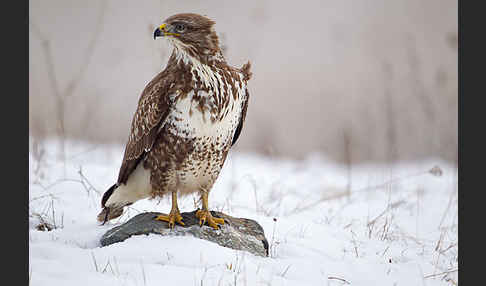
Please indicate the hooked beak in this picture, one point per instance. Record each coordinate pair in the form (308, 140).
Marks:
(164, 30)
(159, 32)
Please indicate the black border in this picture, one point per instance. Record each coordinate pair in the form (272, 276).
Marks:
(471, 65)
(14, 134)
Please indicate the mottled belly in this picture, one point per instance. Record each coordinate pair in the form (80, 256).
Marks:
(200, 169)
(185, 164)
(192, 147)
(188, 160)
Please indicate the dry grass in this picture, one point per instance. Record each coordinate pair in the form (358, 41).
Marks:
(48, 219)
(272, 248)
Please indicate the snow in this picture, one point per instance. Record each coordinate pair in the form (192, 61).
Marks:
(398, 224)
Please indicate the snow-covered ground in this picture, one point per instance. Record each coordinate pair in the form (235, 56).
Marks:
(397, 226)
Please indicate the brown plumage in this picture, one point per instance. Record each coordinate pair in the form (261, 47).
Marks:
(187, 119)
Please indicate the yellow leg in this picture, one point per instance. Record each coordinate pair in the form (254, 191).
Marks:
(174, 215)
(204, 215)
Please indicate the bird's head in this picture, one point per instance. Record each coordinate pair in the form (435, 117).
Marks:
(192, 34)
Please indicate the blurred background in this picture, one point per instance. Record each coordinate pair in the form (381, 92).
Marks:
(358, 81)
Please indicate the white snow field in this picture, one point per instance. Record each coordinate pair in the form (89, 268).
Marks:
(326, 224)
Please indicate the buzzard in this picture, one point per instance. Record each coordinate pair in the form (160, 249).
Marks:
(188, 117)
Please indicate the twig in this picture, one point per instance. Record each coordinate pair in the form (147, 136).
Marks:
(273, 242)
(83, 181)
(143, 274)
(391, 181)
(447, 208)
(106, 267)
(43, 196)
(89, 53)
(449, 247)
(389, 207)
(94, 262)
(323, 199)
(61, 96)
(337, 278)
(349, 161)
(438, 274)
(285, 271)
(51, 75)
(83, 177)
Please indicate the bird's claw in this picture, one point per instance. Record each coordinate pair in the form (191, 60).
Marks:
(172, 218)
(205, 216)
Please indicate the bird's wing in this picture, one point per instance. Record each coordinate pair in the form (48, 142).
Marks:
(153, 108)
(242, 118)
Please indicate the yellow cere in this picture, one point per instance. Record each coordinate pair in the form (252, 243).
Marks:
(162, 28)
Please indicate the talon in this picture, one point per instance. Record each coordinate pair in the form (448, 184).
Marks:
(174, 215)
(205, 216)
(172, 218)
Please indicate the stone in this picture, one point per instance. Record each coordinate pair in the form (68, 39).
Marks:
(236, 233)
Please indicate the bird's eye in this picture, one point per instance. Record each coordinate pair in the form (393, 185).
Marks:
(179, 28)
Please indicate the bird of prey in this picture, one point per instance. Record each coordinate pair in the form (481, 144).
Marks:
(188, 117)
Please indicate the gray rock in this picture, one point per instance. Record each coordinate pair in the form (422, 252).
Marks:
(236, 233)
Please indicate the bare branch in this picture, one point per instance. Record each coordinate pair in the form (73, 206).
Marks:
(60, 96)
(89, 53)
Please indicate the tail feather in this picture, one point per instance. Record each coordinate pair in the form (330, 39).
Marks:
(107, 194)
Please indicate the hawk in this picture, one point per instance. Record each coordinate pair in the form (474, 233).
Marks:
(188, 117)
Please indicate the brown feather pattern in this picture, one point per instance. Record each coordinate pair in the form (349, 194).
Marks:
(177, 154)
